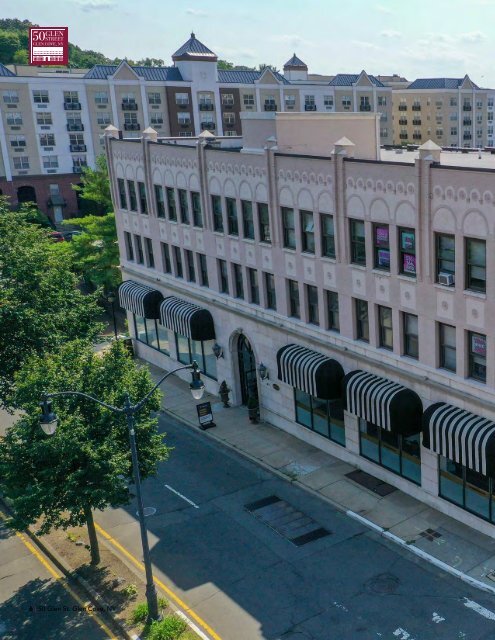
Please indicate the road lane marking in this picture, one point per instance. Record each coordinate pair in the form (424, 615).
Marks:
(180, 603)
(86, 606)
(486, 613)
(167, 486)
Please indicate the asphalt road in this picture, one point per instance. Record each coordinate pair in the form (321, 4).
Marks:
(33, 604)
(249, 582)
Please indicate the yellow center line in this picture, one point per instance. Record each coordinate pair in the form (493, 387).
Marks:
(61, 579)
(158, 582)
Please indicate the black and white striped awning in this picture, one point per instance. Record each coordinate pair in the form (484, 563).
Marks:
(187, 319)
(310, 371)
(460, 436)
(140, 299)
(382, 402)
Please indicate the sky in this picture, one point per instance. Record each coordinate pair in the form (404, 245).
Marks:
(417, 39)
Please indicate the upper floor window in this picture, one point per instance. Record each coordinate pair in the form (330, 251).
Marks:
(131, 188)
(196, 209)
(312, 304)
(346, 102)
(247, 219)
(129, 248)
(216, 205)
(40, 96)
(227, 99)
(446, 347)
(184, 119)
(307, 232)
(223, 278)
(159, 201)
(10, 97)
(362, 321)
(191, 269)
(182, 99)
(154, 97)
(264, 222)
(150, 257)
(203, 270)
(475, 265)
(382, 101)
(254, 290)
(410, 335)
(327, 236)
(232, 222)
(477, 356)
(44, 118)
(143, 205)
(445, 258)
(167, 262)
(293, 291)
(183, 206)
(358, 245)
(328, 102)
(122, 193)
(238, 282)
(271, 298)
(101, 97)
(14, 118)
(385, 328)
(333, 320)
(289, 228)
(171, 204)
(179, 268)
(407, 252)
(381, 241)
(248, 99)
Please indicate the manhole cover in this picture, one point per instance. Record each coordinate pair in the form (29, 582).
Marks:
(383, 583)
(286, 520)
(148, 511)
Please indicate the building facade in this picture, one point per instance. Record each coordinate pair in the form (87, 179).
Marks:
(351, 295)
(453, 112)
(52, 124)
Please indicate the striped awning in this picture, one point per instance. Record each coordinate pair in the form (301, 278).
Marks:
(460, 436)
(140, 299)
(187, 319)
(386, 404)
(310, 371)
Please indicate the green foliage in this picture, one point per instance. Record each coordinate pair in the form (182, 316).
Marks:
(52, 480)
(170, 628)
(41, 304)
(150, 62)
(96, 187)
(263, 66)
(140, 613)
(33, 215)
(224, 64)
(130, 591)
(95, 252)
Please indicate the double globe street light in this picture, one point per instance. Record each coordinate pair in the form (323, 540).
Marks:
(49, 422)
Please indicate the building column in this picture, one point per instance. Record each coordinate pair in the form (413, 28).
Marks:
(273, 205)
(113, 102)
(144, 102)
(351, 423)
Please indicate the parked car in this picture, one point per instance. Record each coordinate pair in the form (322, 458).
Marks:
(69, 235)
(56, 236)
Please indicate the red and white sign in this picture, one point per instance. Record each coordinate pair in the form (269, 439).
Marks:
(48, 46)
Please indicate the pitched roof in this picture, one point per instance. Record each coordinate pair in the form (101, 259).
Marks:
(437, 83)
(349, 79)
(241, 76)
(295, 62)
(194, 48)
(103, 71)
(6, 72)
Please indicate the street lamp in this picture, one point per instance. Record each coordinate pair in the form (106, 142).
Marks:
(49, 421)
(111, 297)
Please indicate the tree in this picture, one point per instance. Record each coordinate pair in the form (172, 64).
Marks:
(224, 64)
(96, 186)
(58, 481)
(33, 215)
(9, 44)
(95, 253)
(263, 66)
(41, 305)
(20, 57)
(150, 62)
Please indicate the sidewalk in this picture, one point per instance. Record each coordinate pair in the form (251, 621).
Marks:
(429, 534)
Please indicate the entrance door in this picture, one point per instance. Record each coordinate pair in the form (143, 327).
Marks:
(58, 214)
(247, 369)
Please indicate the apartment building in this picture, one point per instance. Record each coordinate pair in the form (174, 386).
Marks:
(348, 287)
(453, 112)
(52, 124)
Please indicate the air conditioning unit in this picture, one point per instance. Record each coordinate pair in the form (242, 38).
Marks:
(446, 279)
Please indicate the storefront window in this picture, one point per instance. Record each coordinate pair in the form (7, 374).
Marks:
(325, 417)
(467, 488)
(152, 333)
(201, 351)
(400, 454)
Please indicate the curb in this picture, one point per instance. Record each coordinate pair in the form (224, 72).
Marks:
(384, 533)
(71, 575)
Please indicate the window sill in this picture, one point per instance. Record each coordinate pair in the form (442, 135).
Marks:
(381, 272)
(330, 259)
(289, 250)
(444, 287)
(469, 293)
(361, 267)
(249, 240)
(406, 278)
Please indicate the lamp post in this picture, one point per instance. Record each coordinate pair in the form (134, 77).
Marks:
(111, 297)
(49, 421)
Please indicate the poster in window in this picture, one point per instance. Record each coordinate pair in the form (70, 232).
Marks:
(409, 263)
(383, 258)
(381, 235)
(407, 241)
(478, 345)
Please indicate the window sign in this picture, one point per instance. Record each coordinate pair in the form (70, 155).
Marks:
(478, 345)
(407, 241)
(382, 235)
(384, 258)
(409, 264)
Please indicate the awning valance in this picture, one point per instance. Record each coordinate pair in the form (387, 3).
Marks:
(310, 371)
(387, 404)
(187, 319)
(460, 436)
(140, 299)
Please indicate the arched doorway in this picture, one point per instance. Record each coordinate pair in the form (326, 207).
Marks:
(247, 369)
(26, 193)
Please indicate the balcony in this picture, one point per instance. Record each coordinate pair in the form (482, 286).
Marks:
(129, 106)
(182, 104)
(467, 136)
(132, 126)
(206, 106)
(467, 107)
(228, 105)
(75, 126)
(270, 107)
(403, 122)
(72, 106)
(403, 136)
(77, 148)
(403, 107)
(309, 107)
(364, 107)
(416, 136)
(416, 122)
(466, 122)
(210, 126)
(229, 124)
(185, 124)
(416, 107)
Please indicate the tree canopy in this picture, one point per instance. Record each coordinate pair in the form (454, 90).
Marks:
(95, 187)
(57, 481)
(41, 304)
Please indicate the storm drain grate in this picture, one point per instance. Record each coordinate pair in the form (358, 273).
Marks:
(430, 534)
(287, 521)
(370, 482)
